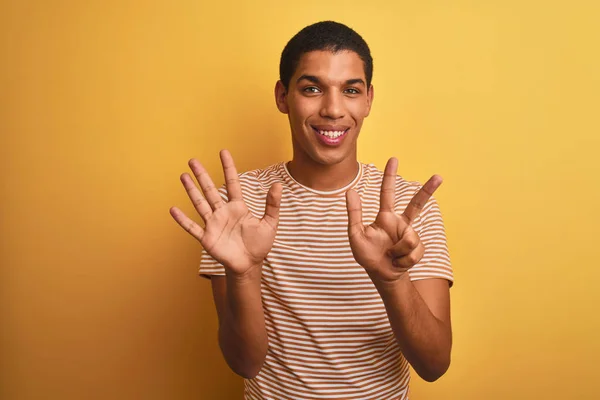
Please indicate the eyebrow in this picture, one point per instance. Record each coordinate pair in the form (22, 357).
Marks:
(314, 79)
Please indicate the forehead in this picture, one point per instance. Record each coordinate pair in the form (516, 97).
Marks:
(329, 66)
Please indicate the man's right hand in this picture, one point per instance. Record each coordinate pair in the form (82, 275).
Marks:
(231, 234)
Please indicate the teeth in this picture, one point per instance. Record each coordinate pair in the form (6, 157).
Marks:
(332, 134)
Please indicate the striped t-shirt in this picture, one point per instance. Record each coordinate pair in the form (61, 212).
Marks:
(329, 334)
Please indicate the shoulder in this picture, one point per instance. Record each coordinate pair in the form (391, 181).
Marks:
(262, 178)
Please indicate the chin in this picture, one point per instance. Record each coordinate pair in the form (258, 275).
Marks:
(322, 155)
(330, 157)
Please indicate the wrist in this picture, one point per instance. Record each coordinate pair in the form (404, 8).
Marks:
(250, 275)
(244, 293)
(387, 285)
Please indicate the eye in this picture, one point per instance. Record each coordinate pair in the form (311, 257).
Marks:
(352, 91)
(311, 89)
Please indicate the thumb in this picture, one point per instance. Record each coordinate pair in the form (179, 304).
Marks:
(354, 207)
(272, 208)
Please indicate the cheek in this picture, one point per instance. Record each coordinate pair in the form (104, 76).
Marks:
(301, 111)
(358, 109)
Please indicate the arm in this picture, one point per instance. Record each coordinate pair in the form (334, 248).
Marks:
(419, 314)
(239, 241)
(242, 332)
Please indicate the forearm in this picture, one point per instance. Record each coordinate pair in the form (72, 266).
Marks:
(242, 332)
(425, 341)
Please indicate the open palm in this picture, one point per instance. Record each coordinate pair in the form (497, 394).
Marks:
(231, 234)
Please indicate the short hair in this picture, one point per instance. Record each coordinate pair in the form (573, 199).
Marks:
(325, 35)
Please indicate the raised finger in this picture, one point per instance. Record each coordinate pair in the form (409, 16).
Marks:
(387, 195)
(273, 204)
(419, 200)
(200, 203)
(208, 187)
(232, 181)
(186, 223)
(354, 208)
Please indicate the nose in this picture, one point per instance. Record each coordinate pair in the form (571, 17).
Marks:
(333, 106)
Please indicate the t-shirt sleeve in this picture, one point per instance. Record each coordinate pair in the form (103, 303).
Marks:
(208, 265)
(436, 260)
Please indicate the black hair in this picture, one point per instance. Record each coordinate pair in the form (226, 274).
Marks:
(326, 35)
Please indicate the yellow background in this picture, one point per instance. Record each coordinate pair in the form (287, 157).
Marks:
(103, 102)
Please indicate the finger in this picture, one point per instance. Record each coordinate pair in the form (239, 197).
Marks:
(354, 208)
(273, 203)
(232, 180)
(208, 187)
(200, 203)
(186, 223)
(409, 242)
(411, 259)
(417, 203)
(388, 186)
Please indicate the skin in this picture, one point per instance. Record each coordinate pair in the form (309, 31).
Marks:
(327, 90)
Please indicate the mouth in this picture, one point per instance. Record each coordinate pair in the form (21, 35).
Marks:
(330, 135)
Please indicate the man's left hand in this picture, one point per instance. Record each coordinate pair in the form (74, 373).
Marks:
(388, 247)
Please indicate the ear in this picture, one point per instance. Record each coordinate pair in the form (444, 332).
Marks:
(281, 97)
(370, 96)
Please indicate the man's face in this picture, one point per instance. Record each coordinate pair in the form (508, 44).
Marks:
(326, 102)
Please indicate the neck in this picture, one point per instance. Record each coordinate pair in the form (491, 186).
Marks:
(323, 177)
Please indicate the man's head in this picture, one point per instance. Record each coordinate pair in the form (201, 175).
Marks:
(325, 88)
(327, 35)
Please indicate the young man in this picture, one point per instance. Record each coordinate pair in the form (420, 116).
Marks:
(329, 276)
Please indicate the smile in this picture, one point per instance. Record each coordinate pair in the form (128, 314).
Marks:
(331, 134)
(331, 137)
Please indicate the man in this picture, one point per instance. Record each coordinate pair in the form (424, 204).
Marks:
(329, 276)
